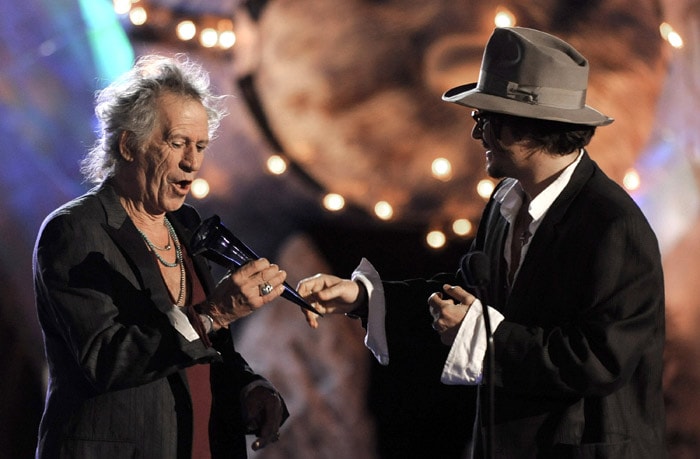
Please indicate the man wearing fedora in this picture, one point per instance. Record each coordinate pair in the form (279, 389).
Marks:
(572, 279)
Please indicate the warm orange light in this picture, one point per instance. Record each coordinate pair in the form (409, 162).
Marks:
(462, 227)
(200, 188)
(436, 239)
(121, 6)
(670, 35)
(441, 169)
(186, 30)
(333, 202)
(227, 39)
(632, 181)
(276, 165)
(138, 16)
(208, 37)
(484, 188)
(383, 210)
(503, 18)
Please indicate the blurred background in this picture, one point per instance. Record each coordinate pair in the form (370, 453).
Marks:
(338, 147)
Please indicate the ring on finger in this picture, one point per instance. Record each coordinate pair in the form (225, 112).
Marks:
(265, 288)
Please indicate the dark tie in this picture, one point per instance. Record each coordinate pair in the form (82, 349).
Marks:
(521, 234)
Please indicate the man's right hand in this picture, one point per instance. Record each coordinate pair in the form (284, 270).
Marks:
(239, 293)
(329, 295)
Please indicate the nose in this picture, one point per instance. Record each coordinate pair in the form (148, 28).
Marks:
(191, 160)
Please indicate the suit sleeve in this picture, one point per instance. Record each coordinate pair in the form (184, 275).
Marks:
(410, 337)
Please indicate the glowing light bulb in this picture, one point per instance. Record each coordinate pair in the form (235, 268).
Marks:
(138, 16)
(441, 169)
(504, 18)
(436, 239)
(632, 180)
(461, 226)
(383, 210)
(208, 37)
(186, 30)
(333, 202)
(200, 188)
(227, 39)
(665, 28)
(675, 40)
(121, 6)
(484, 188)
(276, 165)
(670, 35)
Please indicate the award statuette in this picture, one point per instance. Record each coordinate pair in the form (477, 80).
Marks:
(218, 244)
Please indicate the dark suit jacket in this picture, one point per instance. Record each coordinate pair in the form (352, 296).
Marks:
(579, 354)
(117, 387)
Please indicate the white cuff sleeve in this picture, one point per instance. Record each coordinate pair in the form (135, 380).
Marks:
(465, 362)
(375, 339)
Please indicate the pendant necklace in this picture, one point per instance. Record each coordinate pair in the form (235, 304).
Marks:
(178, 255)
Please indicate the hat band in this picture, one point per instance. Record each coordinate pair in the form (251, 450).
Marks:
(534, 95)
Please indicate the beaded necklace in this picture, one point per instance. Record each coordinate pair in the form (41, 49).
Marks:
(164, 262)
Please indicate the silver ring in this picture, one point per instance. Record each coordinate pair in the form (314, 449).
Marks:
(265, 288)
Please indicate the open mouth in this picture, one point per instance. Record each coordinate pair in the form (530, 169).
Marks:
(183, 185)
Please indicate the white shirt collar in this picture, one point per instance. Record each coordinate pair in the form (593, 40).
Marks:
(510, 196)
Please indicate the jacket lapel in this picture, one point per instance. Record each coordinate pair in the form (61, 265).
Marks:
(550, 229)
(493, 231)
(199, 262)
(124, 234)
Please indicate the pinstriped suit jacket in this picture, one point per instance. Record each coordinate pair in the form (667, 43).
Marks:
(117, 387)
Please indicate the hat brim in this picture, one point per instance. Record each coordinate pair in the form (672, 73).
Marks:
(469, 96)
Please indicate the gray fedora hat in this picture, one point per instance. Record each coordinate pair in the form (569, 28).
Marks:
(533, 74)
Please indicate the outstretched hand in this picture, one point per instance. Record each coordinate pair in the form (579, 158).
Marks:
(329, 295)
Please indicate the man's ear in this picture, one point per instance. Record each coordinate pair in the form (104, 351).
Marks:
(124, 149)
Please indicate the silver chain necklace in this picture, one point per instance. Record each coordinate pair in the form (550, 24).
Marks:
(164, 262)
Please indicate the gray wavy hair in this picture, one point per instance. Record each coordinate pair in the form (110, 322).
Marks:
(129, 104)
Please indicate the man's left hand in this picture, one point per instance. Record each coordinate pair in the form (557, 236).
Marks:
(448, 310)
(263, 415)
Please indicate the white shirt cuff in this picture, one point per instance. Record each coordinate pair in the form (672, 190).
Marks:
(465, 362)
(375, 339)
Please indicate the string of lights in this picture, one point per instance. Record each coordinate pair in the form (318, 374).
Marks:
(217, 33)
(151, 21)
